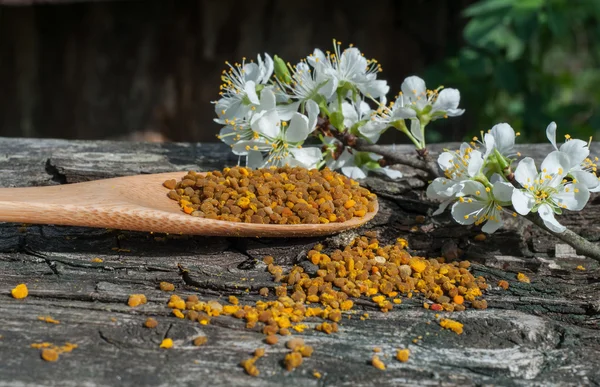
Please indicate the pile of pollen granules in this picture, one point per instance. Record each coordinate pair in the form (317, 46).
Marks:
(363, 268)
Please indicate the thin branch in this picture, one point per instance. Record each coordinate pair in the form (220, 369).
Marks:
(579, 243)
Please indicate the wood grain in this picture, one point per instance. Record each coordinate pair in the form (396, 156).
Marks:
(542, 333)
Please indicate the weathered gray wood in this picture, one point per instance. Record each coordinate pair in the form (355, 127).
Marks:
(543, 333)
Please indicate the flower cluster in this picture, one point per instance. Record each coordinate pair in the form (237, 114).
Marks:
(272, 112)
(480, 184)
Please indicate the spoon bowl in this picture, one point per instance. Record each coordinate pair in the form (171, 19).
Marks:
(138, 203)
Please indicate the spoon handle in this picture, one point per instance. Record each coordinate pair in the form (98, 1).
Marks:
(81, 204)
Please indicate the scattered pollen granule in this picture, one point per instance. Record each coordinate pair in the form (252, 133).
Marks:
(317, 374)
(166, 343)
(580, 268)
(49, 354)
(377, 363)
(271, 339)
(480, 237)
(20, 291)
(523, 278)
(97, 260)
(200, 340)
(136, 300)
(503, 284)
(150, 323)
(455, 326)
(403, 355)
(167, 286)
(292, 360)
(48, 319)
(249, 366)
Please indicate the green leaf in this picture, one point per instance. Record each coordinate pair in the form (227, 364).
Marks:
(478, 31)
(488, 6)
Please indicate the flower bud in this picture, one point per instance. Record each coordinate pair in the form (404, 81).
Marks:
(281, 70)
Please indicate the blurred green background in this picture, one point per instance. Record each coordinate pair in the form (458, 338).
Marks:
(528, 62)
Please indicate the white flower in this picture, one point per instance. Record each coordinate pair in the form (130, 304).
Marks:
(245, 128)
(547, 192)
(306, 83)
(479, 204)
(392, 115)
(349, 68)
(357, 165)
(502, 138)
(580, 167)
(238, 91)
(442, 104)
(280, 138)
(458, 166)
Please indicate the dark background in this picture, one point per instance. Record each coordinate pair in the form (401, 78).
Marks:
(149, 69)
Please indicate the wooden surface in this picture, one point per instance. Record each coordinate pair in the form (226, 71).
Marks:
(543, 333)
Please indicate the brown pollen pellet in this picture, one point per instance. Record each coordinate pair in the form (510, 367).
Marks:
(271, 339)
(295, 342)
(285, 195)
(167, 286)
(200, 340)
(150, 323)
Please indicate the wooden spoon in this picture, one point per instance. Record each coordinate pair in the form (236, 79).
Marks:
(137, 203)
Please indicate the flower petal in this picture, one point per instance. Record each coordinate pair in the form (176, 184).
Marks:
(250, 89)
(415, 129)
(445, 160)
(504, 136)
(353, 172)
(522, 201)
(448, 99)
(372, 130)
(254, 159)
(298, 129)
(586, 178)
(403, 113)
(443, 206)
(551, 134)
(387, 171)
(490, 144)
(503, 191)
(312, 109)
(307, 157)
(475, 163)
(573, 196)
(286, 111)
(413, 87)
(267, 123)
(576, 150)
(465, 212)
(526, 171)
(547, 215)
(556, 163)
(492, 225)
